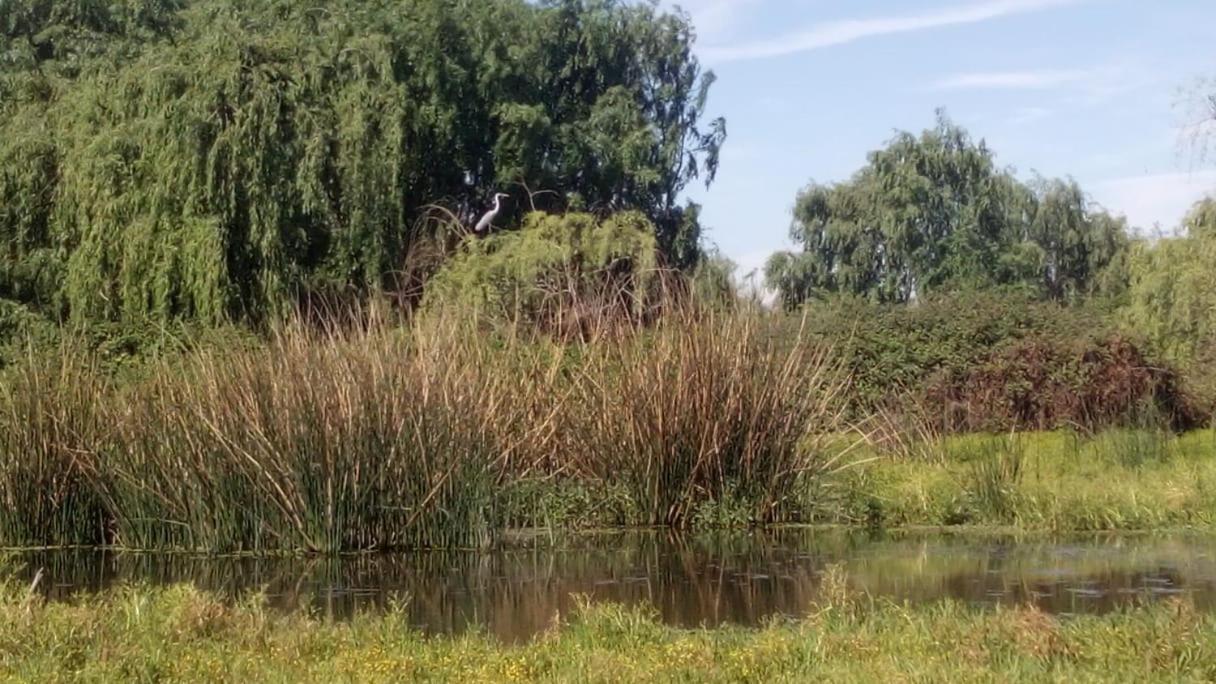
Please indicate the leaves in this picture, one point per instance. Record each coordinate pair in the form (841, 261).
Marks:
(215, 159)
(1172, 290)
(934, 213)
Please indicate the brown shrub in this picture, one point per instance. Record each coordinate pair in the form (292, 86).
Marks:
(1039, 384)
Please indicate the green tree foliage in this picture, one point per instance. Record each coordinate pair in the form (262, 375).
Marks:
(1172, 288)
(555, 265)
(713, 282)
(61, 36)
(214, 159)
(934, 212)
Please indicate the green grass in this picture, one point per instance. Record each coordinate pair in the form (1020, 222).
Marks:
(181, 635)
(1116, 480)
(1057, 481)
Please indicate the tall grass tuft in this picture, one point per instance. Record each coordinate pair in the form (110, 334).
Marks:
(50, 424)
(904, 431)
(705, 407)
(322, 441)
(996, 470)
(366, 435)
(1145, 440)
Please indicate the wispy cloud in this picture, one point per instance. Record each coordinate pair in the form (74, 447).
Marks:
(1010, 80)
(832, 33)
(1089, 86)
(1160, 199)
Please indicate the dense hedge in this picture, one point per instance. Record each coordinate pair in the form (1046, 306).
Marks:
(993, 361)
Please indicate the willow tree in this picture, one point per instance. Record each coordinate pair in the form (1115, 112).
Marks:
(558, 270)
(62, 36)
(215, 159)
(1172, 290)
(934, 212)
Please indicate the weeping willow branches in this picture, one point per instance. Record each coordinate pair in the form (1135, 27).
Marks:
(242, 154)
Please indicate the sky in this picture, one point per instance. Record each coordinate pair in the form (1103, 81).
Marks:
(1099, 90)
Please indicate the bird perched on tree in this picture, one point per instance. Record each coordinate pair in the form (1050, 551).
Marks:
(484, 225)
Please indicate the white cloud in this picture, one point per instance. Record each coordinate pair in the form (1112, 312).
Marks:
(1021, 80)
(1150, 200)
(832, 33)
(1081, 87)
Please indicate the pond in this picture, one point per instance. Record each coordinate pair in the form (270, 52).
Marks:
(516, 592)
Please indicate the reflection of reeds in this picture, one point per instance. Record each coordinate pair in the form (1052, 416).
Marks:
(512, 592)
(515, 593)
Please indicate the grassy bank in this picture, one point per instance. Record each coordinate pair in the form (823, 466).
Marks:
(1057, 481)
(179, 634)
(1042, 482)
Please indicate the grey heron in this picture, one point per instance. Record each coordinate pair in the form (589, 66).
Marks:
(484, 224)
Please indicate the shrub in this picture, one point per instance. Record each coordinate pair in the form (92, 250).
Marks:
(558, 272)
(1042, 384)
(990, 361)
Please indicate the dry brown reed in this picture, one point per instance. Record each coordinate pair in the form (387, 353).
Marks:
(378, 435)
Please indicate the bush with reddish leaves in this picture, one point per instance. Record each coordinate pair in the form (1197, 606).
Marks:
(1040, 383)
(992, 361)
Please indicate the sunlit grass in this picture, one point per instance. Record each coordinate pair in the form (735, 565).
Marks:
(1057, 481)
(179, 634)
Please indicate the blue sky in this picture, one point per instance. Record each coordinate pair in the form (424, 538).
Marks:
(1093, 89)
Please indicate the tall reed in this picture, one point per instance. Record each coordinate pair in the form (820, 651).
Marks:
(996, 465)
(706, 407)
(377, 436)
(50, 422)
(320, 441)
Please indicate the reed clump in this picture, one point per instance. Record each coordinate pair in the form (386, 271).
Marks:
(51, 422)
(386, 436)
(705, 408)
(322, 441)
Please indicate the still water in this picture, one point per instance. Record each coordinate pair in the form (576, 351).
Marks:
(515, 593)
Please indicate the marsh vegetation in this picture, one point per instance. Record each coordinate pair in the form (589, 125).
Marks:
(242, 313)
(181, 634)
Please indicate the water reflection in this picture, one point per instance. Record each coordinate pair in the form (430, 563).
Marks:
(515, 593)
